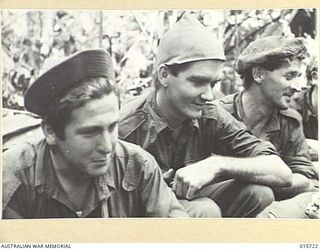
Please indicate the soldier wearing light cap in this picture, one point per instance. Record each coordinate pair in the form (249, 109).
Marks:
(205, 154)
(270, 68)
(81, 169)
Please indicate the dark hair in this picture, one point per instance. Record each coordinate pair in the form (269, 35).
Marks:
(174, 69)
(61, 108)
(271, 63)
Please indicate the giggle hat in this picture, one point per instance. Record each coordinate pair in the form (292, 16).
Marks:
(188, 41)
(82, 65)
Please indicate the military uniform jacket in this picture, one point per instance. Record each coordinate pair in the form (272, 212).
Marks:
(216, 132)
(284, 130)
(132, 187)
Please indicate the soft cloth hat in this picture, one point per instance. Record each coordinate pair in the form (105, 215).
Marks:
(188, 41)
(82, 65)
(265, 48)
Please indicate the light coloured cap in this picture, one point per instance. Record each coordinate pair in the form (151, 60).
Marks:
(188, 41)
(265, 48)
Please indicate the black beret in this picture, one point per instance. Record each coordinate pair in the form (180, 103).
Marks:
(82, 65)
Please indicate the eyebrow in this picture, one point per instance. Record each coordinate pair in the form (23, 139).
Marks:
(203, 78)
(293, 72)
(89, 129)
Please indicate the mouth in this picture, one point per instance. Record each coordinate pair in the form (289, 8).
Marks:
(287, 95)
(101, 161)
(199, 105)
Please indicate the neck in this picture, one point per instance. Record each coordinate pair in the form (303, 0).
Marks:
(166, 111)
(65, 172)
(254, 108)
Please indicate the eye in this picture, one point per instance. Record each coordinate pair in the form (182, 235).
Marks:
(197, 82)
(214, 83)
(113, 126)
(290, 76)
(89, 132)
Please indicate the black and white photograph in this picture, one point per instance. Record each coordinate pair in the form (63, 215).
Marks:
(160, 114)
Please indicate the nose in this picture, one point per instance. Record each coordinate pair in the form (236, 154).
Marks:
(298, 83)
(105, 142)
(207, 94)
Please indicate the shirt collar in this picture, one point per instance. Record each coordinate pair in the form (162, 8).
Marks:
(157, 123)
(47, 183)
(272, 124)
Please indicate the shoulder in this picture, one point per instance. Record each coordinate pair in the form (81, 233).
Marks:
(132, 105)
(215, 111)
(20, 128)
(18, 163)
(134, 153)
(20, 156)
(291, 115)
(227, 102)
(135, 163)
(132, 116)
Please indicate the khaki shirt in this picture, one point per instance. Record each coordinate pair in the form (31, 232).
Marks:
(132, 186)
(284, 130)
(216, 132)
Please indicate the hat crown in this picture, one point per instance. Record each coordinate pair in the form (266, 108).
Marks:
(272, 46)
(187, 41)
(79, 66)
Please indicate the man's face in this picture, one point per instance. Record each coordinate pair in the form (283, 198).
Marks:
(192, 88)
(91, 135)
(278, 86)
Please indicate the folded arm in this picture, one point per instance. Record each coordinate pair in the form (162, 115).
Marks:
(267, 170)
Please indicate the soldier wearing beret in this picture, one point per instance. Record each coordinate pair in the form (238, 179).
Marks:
(202, 150)
(81, 169)
(270, 68)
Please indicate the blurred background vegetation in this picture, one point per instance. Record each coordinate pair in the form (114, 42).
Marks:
(34, 40)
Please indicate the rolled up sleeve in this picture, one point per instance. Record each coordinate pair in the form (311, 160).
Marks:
(296, 152)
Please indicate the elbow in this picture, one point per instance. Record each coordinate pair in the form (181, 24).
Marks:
(285, 177)
(283, 173)
(287, 181)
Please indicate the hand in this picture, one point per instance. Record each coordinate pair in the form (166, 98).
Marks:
(193, 177)
(168, 176)
(312, 210)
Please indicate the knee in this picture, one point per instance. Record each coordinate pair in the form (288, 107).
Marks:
(201, 208)
(262, 195)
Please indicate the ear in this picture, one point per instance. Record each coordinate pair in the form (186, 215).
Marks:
(49, 134)
(163, 75)
(257, 74)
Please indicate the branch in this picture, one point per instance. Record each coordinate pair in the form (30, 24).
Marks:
(254, 32)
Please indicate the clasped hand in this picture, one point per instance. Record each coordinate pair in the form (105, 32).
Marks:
(188, 180)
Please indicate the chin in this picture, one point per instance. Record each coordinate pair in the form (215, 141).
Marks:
(97, 172)
(194, 114)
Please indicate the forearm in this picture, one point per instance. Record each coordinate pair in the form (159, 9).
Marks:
(268, 170)
(300, 184)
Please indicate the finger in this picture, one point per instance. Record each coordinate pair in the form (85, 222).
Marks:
(185, 188)
(175, 183)
(191, 192)
(177, 186)
(168, 174)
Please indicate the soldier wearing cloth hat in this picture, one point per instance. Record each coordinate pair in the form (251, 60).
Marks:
(81, 169)
(271, 68)
(202, 150)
